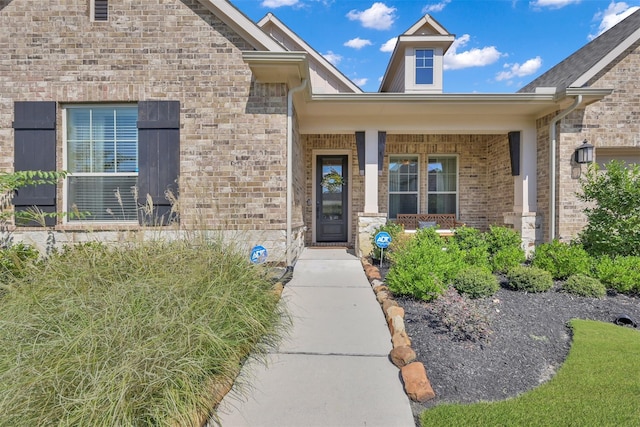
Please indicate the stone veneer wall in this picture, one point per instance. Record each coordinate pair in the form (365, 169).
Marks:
(233, 130)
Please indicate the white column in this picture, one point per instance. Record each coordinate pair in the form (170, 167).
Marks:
(371, 171)
(525, 193)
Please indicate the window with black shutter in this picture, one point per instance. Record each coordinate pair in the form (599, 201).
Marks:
(34, 129)
(158, 160)
(100, 10)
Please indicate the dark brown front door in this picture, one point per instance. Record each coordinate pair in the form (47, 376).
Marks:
(332, 214)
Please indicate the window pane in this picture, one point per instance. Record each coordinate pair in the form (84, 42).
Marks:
(402, 203)
(403, 178)
(104, 198)
(102, 141)
(424, 66)
(442, 204)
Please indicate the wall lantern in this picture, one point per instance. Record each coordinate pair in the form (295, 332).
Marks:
(584, 153)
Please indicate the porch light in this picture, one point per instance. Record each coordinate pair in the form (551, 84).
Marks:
(584, 153)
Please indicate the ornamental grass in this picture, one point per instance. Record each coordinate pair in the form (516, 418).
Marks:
(139, 334)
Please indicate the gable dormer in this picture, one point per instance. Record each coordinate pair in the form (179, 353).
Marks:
(416, 64)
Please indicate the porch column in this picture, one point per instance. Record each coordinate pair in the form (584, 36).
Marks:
(371, 171)
(523, 217)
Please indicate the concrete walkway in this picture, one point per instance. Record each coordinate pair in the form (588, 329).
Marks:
(333, 369)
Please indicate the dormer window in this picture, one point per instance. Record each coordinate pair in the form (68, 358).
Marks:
(424, 66)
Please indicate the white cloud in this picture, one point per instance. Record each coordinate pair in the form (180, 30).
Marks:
(527, 68)
(360, 82)
(553, 4)
(379, 16)
(437, 7)
(358, 43)
(278, 3)
(334, 58)
(389, 45)
(615, 13)
(476, 57)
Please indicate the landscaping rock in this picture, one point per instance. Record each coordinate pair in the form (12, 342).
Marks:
(402, 356)
(378, 289)
(376, 282)
(388, 304)
(382, 296)
(400, 339)
(416, 383)
(393, 311)
(396, 325)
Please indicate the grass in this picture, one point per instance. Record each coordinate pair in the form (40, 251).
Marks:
(598, 385)
(136, 336)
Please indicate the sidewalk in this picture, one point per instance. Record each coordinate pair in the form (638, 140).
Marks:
(333, 369)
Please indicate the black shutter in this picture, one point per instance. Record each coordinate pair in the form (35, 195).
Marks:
(34, 130)
(100, 10)
(158, 158)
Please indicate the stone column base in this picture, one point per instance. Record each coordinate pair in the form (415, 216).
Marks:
(367, 223)
(527, 224)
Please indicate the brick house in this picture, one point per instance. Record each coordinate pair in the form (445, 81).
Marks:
(260, 138)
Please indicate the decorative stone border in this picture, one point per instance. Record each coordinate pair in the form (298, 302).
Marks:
(414, 375)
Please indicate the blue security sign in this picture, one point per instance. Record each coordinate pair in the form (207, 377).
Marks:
(383, 239)
(258, 254)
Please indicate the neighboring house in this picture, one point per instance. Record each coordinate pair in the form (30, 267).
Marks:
(259, 137)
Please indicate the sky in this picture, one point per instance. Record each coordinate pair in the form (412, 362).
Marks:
(500, 45)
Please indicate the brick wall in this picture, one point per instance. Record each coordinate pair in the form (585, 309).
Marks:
(233, 131)
(612, 122)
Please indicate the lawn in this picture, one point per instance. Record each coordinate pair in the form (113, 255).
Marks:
(598, 385)
(136, 335)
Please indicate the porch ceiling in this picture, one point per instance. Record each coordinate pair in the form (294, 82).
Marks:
(416, 113)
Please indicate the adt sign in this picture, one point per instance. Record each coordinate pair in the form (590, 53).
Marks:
(383, 239)
(258, 254)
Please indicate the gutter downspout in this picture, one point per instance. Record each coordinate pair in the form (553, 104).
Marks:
(290, 169)
(552, 159)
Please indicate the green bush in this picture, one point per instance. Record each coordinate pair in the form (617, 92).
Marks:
(562, 259)
(613, 217)
(473, 245)
(476, 282)
(585, 286)
(424, 266)
(620, 273)
(529, 279)
(394, 231)
(505, 248)
(15, 259)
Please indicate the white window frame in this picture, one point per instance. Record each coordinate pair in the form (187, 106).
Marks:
(457, 190)
(65, 165)
(433, 66)
(417, 192)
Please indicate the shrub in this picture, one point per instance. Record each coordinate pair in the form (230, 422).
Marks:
(473, 245)
(476, 282)
(424, 266)
(394, 231)
(460, 317)
(613, 217)
(620, 273)
(14, 260)
(505, 248)
(585, 286)
(562, 259)
(529, 279)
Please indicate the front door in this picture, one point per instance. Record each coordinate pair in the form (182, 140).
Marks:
(332, 216)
